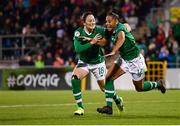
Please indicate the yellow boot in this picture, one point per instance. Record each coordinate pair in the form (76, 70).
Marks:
(79, 111)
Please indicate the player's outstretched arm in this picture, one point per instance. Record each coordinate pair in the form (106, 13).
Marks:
(128, 27)
(119, 42)
(96, 40)
(81, 47)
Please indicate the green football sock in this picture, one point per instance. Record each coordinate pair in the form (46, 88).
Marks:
(116, 98)
(109, 92)
(76, 88)
(148, 85)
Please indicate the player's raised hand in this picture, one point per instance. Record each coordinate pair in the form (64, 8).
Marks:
(87, 39)
(96, 39)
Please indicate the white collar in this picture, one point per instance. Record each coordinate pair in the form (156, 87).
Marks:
(87, 32)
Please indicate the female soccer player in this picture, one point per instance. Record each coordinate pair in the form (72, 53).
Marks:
(130, 60)
(87, 42)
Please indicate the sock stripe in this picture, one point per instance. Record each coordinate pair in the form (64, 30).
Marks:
(109, 99)
(148, 85)
(77, 94)
(114, 93)
(155, 84)
(79, 100)
(108, 91)
(151, 83)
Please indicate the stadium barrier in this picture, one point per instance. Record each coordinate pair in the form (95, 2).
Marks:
(156, 70)
(38, 79)
(14, 46)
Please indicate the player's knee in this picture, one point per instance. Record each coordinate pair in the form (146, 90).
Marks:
(102, 87)
(138, 88)
(101, 84)
(109, 78)
(75, 77)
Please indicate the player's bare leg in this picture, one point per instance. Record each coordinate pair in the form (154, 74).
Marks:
(101, 84)
(78, 75)
(114, 72)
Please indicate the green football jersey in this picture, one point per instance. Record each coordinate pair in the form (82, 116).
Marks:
(89, 53)
(129, 49)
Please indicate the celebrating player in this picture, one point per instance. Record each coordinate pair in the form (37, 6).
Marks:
(130, 60)
(87, 42)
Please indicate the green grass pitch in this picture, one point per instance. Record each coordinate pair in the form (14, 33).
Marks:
(57, 107)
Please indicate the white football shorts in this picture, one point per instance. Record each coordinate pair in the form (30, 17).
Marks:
(136, 67)
(98, 70)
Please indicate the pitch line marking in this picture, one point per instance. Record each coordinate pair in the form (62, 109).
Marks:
(70, 104)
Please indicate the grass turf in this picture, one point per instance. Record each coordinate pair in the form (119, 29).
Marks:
(57, 107)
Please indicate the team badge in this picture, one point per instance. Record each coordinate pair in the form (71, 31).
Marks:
(77, 33)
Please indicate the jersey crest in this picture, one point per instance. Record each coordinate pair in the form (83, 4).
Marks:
(77, 34)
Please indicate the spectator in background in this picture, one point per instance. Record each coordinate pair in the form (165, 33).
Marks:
(144, 30)
(26, 61)
(8, 26)
(49, 59)
(141, 43)
(26, 3)
(173, 48)
(176, 31)
(160, 37)
(173, 45)
(152, 25)
(27, 29)
(70, 63)
(7, 44)
(60, 31)
(128, 9)
(45, 28)
(46, 16)
(52, 29)
(163, 54)
(151, 55)
(58, 61)
(39, 62)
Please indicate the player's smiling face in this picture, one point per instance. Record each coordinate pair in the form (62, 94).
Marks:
(110, 23)
(90, 22)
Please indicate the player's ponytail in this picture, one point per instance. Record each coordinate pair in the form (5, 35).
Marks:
(117, 15)
(114, 15)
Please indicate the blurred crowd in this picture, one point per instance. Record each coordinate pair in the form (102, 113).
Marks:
(57, 20)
